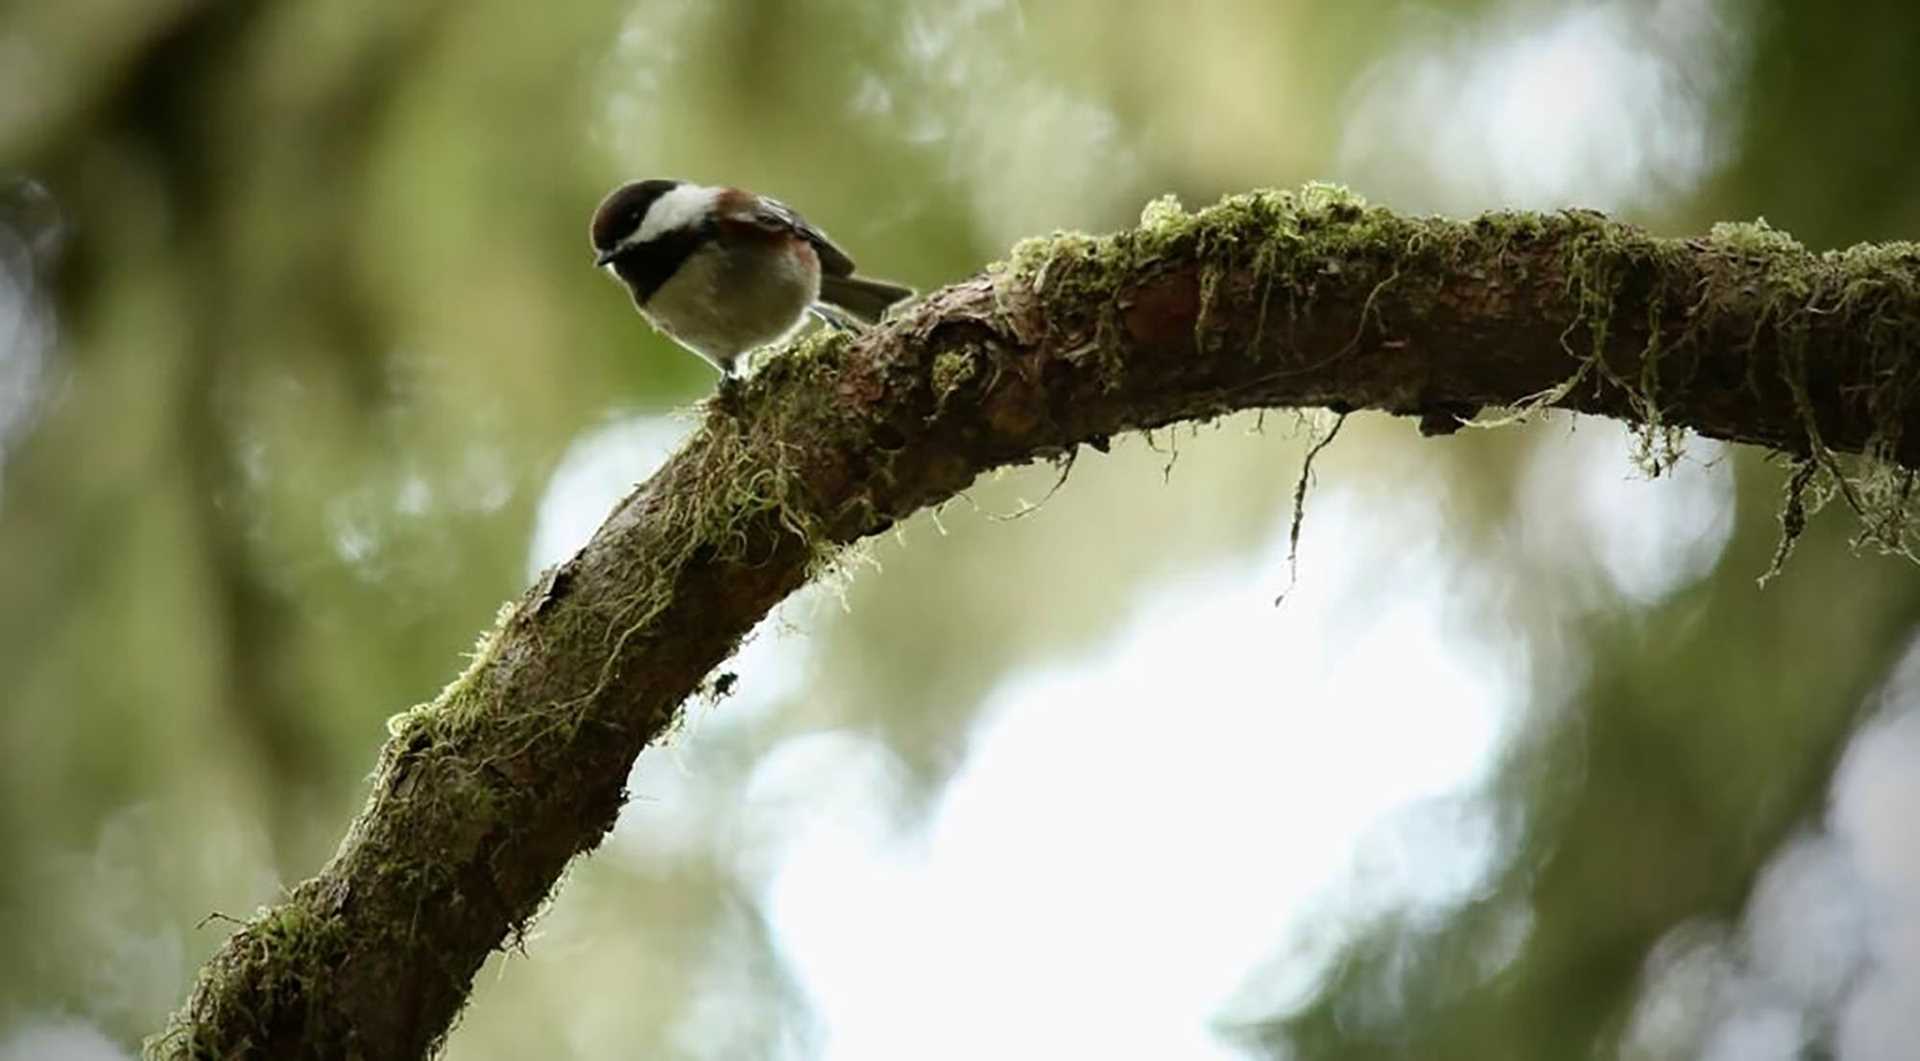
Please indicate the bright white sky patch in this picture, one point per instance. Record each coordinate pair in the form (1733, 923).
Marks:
(971, 85)
(1585, 506)
(600, 468)
(638, 74)
(59, 1040)
(1137, 832)
(1830, 938)
(1876, 803)
(1609, 105)
(26, 319)
(674, 810)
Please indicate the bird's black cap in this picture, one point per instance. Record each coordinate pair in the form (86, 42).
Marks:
(621, 212)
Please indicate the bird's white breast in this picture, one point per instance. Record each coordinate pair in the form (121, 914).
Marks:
(723, 302)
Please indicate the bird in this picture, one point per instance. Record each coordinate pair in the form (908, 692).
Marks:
(723, 271)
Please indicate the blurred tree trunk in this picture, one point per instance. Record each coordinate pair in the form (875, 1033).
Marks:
(1273, 300)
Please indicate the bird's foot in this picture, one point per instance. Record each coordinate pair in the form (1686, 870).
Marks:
(727, 396)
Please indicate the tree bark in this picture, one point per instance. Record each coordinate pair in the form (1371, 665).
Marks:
(482, 796)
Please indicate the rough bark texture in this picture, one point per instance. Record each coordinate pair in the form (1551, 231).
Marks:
(1273, 299)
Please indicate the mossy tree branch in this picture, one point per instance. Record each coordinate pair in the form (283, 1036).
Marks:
(1274, 299)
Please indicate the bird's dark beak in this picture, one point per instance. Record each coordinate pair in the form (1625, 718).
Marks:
(606, 257)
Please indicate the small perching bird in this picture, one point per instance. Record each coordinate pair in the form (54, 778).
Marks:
(723, 271)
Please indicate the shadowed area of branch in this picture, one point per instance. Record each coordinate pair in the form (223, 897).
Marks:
(482, 796)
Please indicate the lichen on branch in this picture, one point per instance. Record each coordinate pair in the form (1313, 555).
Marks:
(1271, 299)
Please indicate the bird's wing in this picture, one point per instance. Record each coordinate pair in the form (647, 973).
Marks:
(776, 216)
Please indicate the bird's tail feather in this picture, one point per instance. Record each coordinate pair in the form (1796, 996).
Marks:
(866, 299)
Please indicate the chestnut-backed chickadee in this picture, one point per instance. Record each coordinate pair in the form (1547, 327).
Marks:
(724, 271)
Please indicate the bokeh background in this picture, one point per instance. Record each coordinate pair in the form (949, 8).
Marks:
(304, 369)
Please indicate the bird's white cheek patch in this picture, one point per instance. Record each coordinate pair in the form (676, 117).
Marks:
(682, 208)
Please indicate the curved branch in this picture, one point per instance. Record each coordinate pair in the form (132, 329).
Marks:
(1273, 299)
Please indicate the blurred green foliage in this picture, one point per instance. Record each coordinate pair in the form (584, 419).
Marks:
(323, 324)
